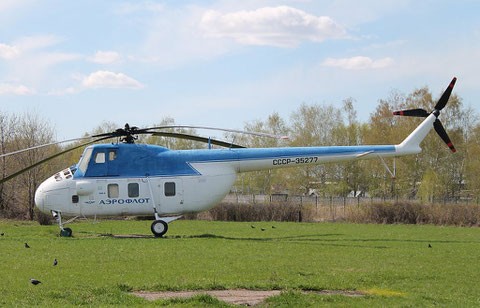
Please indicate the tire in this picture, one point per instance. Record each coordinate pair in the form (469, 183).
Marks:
(66, 232)
(159, 228)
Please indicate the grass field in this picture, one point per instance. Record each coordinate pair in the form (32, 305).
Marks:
(392, 263)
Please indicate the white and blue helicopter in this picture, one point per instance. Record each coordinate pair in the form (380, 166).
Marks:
(124, 178)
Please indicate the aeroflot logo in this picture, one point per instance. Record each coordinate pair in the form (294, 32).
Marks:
(125, 201)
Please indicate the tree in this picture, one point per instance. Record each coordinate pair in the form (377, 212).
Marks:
(32, 131)
(268, 181)
(8, 124)
(174, 143)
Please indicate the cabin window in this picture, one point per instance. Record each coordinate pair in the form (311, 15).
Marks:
(82, 165)
(133, 190)
(112, 155)
(100, 157)
(169, 189)
(112, 190)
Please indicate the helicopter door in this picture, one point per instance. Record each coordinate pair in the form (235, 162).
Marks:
(171, 196)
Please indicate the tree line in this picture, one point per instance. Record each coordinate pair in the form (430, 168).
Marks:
(434, 173)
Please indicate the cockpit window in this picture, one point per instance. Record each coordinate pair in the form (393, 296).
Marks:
(82, 165)
(100, 157)
(112, 155)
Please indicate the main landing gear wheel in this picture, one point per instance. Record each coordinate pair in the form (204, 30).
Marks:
(66, 232)
(159, 228)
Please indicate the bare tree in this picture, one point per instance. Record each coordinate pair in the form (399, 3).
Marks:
(8, 124)
(32, 131)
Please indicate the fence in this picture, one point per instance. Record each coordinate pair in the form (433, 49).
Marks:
(333, 201)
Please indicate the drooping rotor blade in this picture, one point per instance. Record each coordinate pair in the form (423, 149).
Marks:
(197, 138)
(443, 134)
(412, 113)
(219, 129)
(44, 145)
(49, 158)
(446, 95)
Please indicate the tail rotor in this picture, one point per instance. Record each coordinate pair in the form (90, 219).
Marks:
(436, 112)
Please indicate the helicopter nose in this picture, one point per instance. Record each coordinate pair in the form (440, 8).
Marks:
(40, 197)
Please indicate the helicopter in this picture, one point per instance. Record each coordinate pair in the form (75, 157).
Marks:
(130, 179)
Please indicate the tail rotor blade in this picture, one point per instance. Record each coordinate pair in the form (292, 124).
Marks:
(412, 113)
(446, 95)
(443, 134)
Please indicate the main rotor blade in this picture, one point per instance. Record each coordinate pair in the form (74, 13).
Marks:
(197, 138)
(48, 158)
(44, 145)
(443, 134)
(446, 95)
(412, 113)
(220, 129)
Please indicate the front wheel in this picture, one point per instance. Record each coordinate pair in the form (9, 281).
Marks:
(159, 228)
(66, 232)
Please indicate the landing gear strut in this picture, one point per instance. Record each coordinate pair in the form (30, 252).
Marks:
(64, 232)
(160, 226)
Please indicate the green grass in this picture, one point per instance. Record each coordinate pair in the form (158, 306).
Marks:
(392, 263)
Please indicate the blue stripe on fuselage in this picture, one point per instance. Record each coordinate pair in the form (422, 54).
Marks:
(141, 160)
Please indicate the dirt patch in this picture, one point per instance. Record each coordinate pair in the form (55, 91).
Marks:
(235, 297)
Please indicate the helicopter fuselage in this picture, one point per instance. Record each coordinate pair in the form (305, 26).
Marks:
(136, 179)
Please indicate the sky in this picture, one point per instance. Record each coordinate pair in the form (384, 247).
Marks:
(226, 62)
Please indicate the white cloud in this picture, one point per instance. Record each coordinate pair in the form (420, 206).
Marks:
(25, 44)
(105, 57)
(8, 52)
(358, 63)
(6, 88)
(28, 43)
(281, 26)
(106, 79)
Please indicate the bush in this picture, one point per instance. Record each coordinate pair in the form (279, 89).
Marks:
(416, 213)
(42, 218)
(260, 212)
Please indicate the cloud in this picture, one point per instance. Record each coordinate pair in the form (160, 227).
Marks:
(106, 79)
(29, 43)
(358, 63)
(6, 88)
(8, 52)
(26, 44)
(105, 57)
(281, 26)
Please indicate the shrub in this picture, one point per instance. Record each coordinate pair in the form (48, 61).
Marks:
(42, 218)
(416, 213)
(260, 212)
